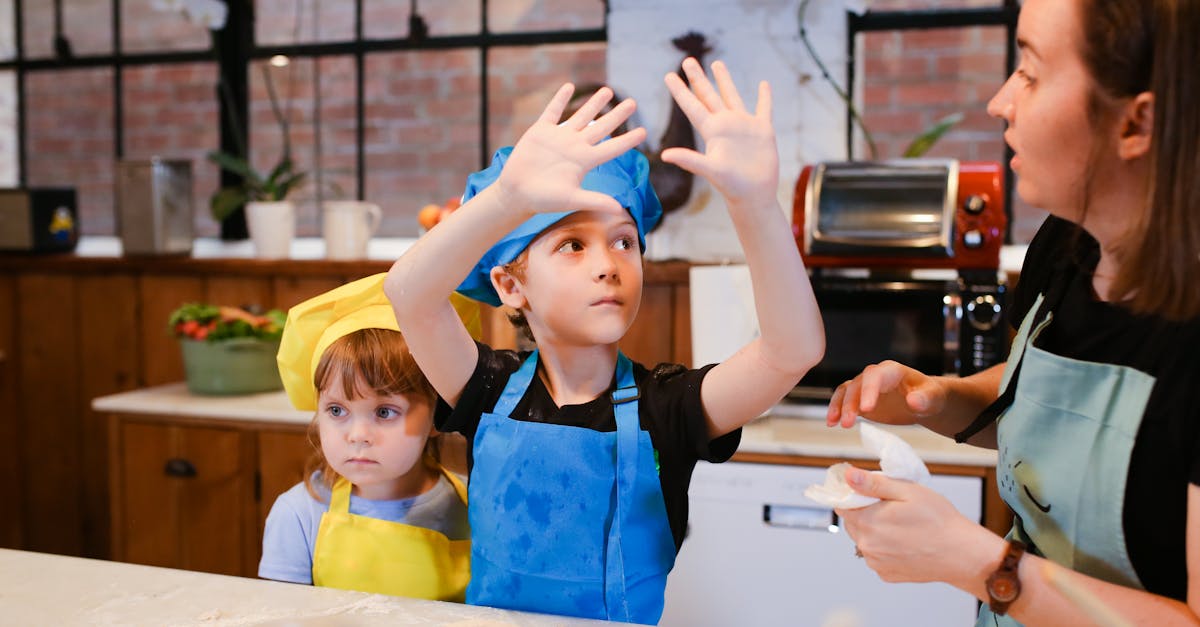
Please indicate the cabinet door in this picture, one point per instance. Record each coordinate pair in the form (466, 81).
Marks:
(759, 553)
(282, 456)
(185, 496)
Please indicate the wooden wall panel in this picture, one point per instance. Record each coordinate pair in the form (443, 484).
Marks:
(11, 472)
(160, 295)
(246, 292)
(109, 362)
(50, 410)
(290, 291)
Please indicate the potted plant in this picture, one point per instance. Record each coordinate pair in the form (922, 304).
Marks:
(270, 216)
(228, 350)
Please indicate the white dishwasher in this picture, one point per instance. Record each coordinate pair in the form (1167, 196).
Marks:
(758, 554)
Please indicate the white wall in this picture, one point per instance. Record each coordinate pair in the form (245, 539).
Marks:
(758, 40)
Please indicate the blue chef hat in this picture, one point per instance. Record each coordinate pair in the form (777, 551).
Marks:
(625, 178)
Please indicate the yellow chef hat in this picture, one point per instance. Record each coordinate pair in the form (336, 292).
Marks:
(317, 322)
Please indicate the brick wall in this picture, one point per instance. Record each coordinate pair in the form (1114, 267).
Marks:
(909, 80)
(422, 129)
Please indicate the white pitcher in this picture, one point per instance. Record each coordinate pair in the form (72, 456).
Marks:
(347, 226)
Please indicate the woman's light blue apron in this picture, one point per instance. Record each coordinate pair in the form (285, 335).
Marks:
(1065, 443)
(568, 520)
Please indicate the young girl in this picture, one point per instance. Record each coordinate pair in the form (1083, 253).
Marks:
(379, 513)
(580, 458)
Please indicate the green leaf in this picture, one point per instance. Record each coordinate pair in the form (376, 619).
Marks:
(237, 165)
(226, 201)
(927, 139)
(287, 185)
(284, 167)
(199, 312)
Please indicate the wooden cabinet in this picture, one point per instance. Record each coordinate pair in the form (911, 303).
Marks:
(76, 328)
(194, 494)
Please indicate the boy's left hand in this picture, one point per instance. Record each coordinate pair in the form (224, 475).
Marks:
(740, 157)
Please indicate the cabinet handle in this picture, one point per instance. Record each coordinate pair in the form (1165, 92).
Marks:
(178, 467)
(801, 517)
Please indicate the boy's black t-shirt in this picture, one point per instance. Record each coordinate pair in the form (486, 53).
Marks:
(669, 410)
(1166, 453)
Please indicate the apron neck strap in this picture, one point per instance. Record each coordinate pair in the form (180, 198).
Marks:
(1060, 282)
(339, 499)
(518, 383)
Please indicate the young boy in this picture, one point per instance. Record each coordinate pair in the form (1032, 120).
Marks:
(581, 459)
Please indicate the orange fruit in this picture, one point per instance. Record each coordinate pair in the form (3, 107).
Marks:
(429, 215)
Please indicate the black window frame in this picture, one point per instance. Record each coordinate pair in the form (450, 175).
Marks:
(1004, 14)
(238, 49)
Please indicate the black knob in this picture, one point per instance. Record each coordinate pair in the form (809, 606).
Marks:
(983, 312)
(975, 204)
(177, 467)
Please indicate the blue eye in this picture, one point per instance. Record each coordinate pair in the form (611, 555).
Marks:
(336, 411)
(388, 413)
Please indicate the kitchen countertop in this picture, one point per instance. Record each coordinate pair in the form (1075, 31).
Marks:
(788, 430)
(378, 248)
(44, 589)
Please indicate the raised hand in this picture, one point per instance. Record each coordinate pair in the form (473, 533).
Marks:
(547, 165)
(887, 392)
(740, 158)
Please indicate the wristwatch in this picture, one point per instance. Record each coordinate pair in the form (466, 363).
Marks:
(1003, 586)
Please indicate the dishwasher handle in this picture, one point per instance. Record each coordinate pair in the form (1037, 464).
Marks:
(801, 517)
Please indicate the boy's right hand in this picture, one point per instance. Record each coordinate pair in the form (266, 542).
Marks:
(547, 165)
(887, 392)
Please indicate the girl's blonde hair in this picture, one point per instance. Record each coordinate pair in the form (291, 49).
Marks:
(368, 359)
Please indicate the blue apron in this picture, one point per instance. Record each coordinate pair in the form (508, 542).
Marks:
(568, 520)
(1066, 433)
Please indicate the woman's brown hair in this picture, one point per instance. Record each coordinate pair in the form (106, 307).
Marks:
(1135, 46)
(379, 360)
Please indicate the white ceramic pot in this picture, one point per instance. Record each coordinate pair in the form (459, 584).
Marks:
(272, 227)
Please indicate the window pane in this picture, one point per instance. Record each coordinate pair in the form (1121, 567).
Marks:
(70, 142)
(147, 29)
(170, 111)
(422, 131)
(295, 88)
(8, 129)
(282, 22)
(86, 26)
(8, 34)
(544, 15)
(522, 80)
(388, 19)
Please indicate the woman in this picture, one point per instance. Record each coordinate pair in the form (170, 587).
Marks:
(1096, 415)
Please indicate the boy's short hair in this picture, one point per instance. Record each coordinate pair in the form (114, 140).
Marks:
(626, 178)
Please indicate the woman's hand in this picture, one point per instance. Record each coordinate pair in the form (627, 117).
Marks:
(914, 534)
(547, 165)
(887, 392)
(740, 158)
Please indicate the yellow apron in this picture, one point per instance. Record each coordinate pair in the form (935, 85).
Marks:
(371, 555)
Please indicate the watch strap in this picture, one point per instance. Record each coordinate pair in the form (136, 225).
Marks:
(1003, 585)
